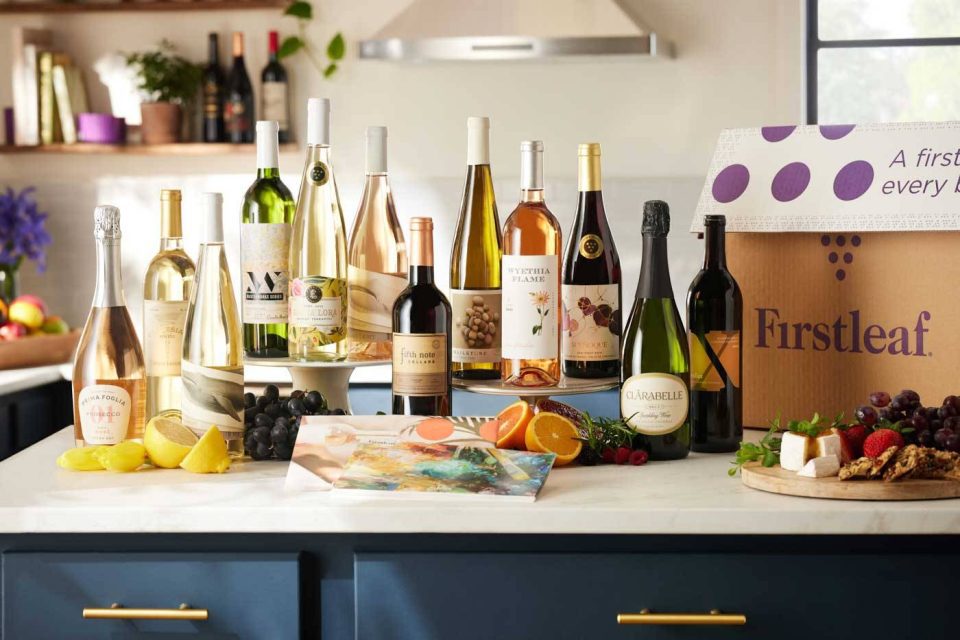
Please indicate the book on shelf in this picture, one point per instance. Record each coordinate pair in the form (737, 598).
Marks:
(71, 97)
(27, 45)
(50, 129)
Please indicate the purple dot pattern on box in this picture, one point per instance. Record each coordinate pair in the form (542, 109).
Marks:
(834, 256)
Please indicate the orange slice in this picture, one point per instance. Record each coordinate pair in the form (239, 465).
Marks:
(551, 433)
(513, 425)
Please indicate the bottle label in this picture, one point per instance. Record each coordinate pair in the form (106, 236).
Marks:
(274, 96)
(530, 302)
(163, 336)
(591, 246)
(213, 396)
(211, 100)
(476, 325)
(235, 117)
(654, 403)
(105, 412)
(714, 358)
(370, 306)
(319, 174)
(318, 308)
(590, 330)
(265, 257)
(420, 366)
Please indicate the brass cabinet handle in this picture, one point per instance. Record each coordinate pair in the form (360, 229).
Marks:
(714, 618)
(119, 612)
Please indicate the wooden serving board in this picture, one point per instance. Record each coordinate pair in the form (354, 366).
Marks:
(777, 480)
(38, 350)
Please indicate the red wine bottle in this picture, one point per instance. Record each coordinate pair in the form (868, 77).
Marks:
(591, 322)
(275, 90)
(238, 113)
(213, 93)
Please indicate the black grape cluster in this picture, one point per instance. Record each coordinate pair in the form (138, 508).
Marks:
(271, 423)
(937, 427)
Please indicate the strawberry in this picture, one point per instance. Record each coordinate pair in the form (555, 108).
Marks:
(881, 440)
(846, 451)
(638, 457)
(854, 435)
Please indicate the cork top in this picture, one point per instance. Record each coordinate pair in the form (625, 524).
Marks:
(106, 222)
(656, 218)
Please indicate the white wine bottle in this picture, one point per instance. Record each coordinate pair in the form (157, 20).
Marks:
(318, 252)
(109, 390)
(212, 365)
(166, 294)
(377, 271)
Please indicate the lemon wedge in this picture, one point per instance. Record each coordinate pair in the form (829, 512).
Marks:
(124, 456)
(80, 459)
(209, 455)
(167, 441)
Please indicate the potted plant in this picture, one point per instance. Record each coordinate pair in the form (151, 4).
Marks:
(168, 82)
(22, 236)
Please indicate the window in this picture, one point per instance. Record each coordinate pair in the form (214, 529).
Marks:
(883, 60)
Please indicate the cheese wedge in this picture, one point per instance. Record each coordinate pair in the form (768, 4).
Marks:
(828, 445)
(821, 467)
(795, 450)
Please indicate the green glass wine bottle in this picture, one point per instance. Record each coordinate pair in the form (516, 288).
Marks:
(268, 210)
(655, 363)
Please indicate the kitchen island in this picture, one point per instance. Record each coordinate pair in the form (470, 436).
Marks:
(666, 537)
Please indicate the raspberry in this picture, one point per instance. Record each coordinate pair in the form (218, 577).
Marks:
(881, 440)
(608, 454)
(622, 455)
(639, 457)
(855, 435)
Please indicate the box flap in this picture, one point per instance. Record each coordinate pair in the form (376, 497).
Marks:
(874, 177)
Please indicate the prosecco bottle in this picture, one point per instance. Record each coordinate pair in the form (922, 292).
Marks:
(715, 322)
(421, 335)
(591, 291)
(655, 370)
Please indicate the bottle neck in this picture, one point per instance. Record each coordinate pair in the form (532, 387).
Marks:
(531, 196)
(715, 256)
(421, 274)
(588, 173)
(109, 290)
(213, 51)
(268, 157)
(273, 43)
(319, 153)
(654, 270)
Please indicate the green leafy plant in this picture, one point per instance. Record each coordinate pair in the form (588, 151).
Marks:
(598, 434)
(325, 61)
(164, 76)
(767, 451)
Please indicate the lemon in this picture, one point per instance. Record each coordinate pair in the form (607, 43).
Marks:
(124, 456)
(167, 441)
(80, 459)
(209, 455)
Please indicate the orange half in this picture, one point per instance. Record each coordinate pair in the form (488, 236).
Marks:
(513, 425)
(552, 433)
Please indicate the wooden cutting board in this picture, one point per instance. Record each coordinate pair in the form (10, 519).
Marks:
(778, 480)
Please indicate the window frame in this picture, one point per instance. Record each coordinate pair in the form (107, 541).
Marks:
(813, 44)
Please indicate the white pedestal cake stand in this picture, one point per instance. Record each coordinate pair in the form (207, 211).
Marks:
(566, 387)
(331, 379)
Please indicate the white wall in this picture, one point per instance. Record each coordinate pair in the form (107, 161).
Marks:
(738, 63)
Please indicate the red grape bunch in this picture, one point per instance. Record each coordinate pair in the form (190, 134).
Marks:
(936, 426)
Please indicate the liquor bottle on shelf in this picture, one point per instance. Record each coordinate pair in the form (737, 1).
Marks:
(592, 322)
(715, 323)
(212, 346)
(475, 265)
(531, 281)
(109, 386)
(655, 371)
(422, 383)
(166, 293)
(275, 91)
(238, 115)
(318, 252)
(267, 216)
(377, 259)
(213, 94)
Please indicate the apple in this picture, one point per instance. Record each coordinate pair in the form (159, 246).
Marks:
(28, 311)
(12, 331)
(55, 325)
(3, 310)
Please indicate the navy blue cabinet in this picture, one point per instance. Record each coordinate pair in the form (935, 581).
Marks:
(31, 415)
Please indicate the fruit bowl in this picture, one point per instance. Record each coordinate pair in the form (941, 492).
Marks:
(38, 350)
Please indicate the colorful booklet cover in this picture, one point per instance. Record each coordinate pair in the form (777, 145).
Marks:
(443, 470)
(325, 443)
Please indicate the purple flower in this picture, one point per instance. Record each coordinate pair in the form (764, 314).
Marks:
(22, 232)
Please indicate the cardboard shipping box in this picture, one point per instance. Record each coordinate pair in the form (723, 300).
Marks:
(846, 244)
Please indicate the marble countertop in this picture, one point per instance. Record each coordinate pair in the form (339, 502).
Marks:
(14, 380)
(693, 496)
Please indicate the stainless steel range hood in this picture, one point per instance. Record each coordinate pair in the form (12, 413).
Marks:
(513, 30)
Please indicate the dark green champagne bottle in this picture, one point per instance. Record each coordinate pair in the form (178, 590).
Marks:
(655, 368)
(268, 210)
(715, 321)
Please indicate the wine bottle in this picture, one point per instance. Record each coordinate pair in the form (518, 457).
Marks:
(655, 374)
(318, 251)
(213, 93)
(377, 260)
(212, 345)
(422, 335)
(592, 322)
(268, 210)
(475, 264)
(166, 293)
(275, 91)
(531, 281)
(238, 113)
(715, 322)
(109, 389)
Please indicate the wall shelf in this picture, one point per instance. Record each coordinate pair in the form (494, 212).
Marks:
(48, 6)
(178, 149)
